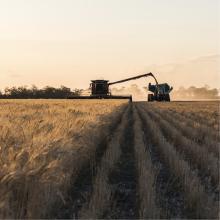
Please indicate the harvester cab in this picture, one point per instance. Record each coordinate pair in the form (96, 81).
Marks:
(99, 88)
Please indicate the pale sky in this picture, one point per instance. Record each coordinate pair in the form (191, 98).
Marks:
(70, 42)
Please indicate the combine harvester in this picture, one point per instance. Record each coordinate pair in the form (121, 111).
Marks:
(100, 90)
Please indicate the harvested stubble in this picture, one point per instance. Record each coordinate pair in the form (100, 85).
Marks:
(199, 204)
(44, 143)
(203, 113)
(198, 156)
(46, 147)
(146, 174)
(192, 129)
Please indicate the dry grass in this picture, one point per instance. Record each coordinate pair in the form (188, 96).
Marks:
(42, 144)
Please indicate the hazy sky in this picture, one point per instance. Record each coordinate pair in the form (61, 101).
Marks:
(69, 42)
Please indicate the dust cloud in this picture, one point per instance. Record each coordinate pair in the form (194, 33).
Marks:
(195, 93)
(138, 93)
(190, 93)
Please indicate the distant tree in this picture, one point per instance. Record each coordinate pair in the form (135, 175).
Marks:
(34, 91)
(77, 92)
(48, 92)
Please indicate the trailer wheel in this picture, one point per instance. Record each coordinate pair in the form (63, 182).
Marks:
(150, 97)
(167, 97)
(160, 98)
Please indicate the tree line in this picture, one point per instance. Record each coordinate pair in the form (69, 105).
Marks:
(48, 92)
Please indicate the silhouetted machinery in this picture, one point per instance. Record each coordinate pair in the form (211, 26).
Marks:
(161, 92)
(100, 90)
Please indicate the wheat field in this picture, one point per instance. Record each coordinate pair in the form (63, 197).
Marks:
(109, 159)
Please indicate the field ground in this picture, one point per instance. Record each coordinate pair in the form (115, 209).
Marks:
(109, 159)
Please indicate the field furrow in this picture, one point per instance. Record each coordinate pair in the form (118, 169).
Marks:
(169, 193)
(198, 203)
(209, 119)
(204, 113)
(191, 129)
(195, 123)
(123, 178)
(197, 156)
(147, 173)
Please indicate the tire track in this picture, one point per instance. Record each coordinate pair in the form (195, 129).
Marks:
(123, 179)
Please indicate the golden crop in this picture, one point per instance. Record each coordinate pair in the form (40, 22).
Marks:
(109, 159)
(42, 142)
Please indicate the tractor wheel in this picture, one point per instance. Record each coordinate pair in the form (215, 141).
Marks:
(167, 97)
(150, 97)
(161, 98)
